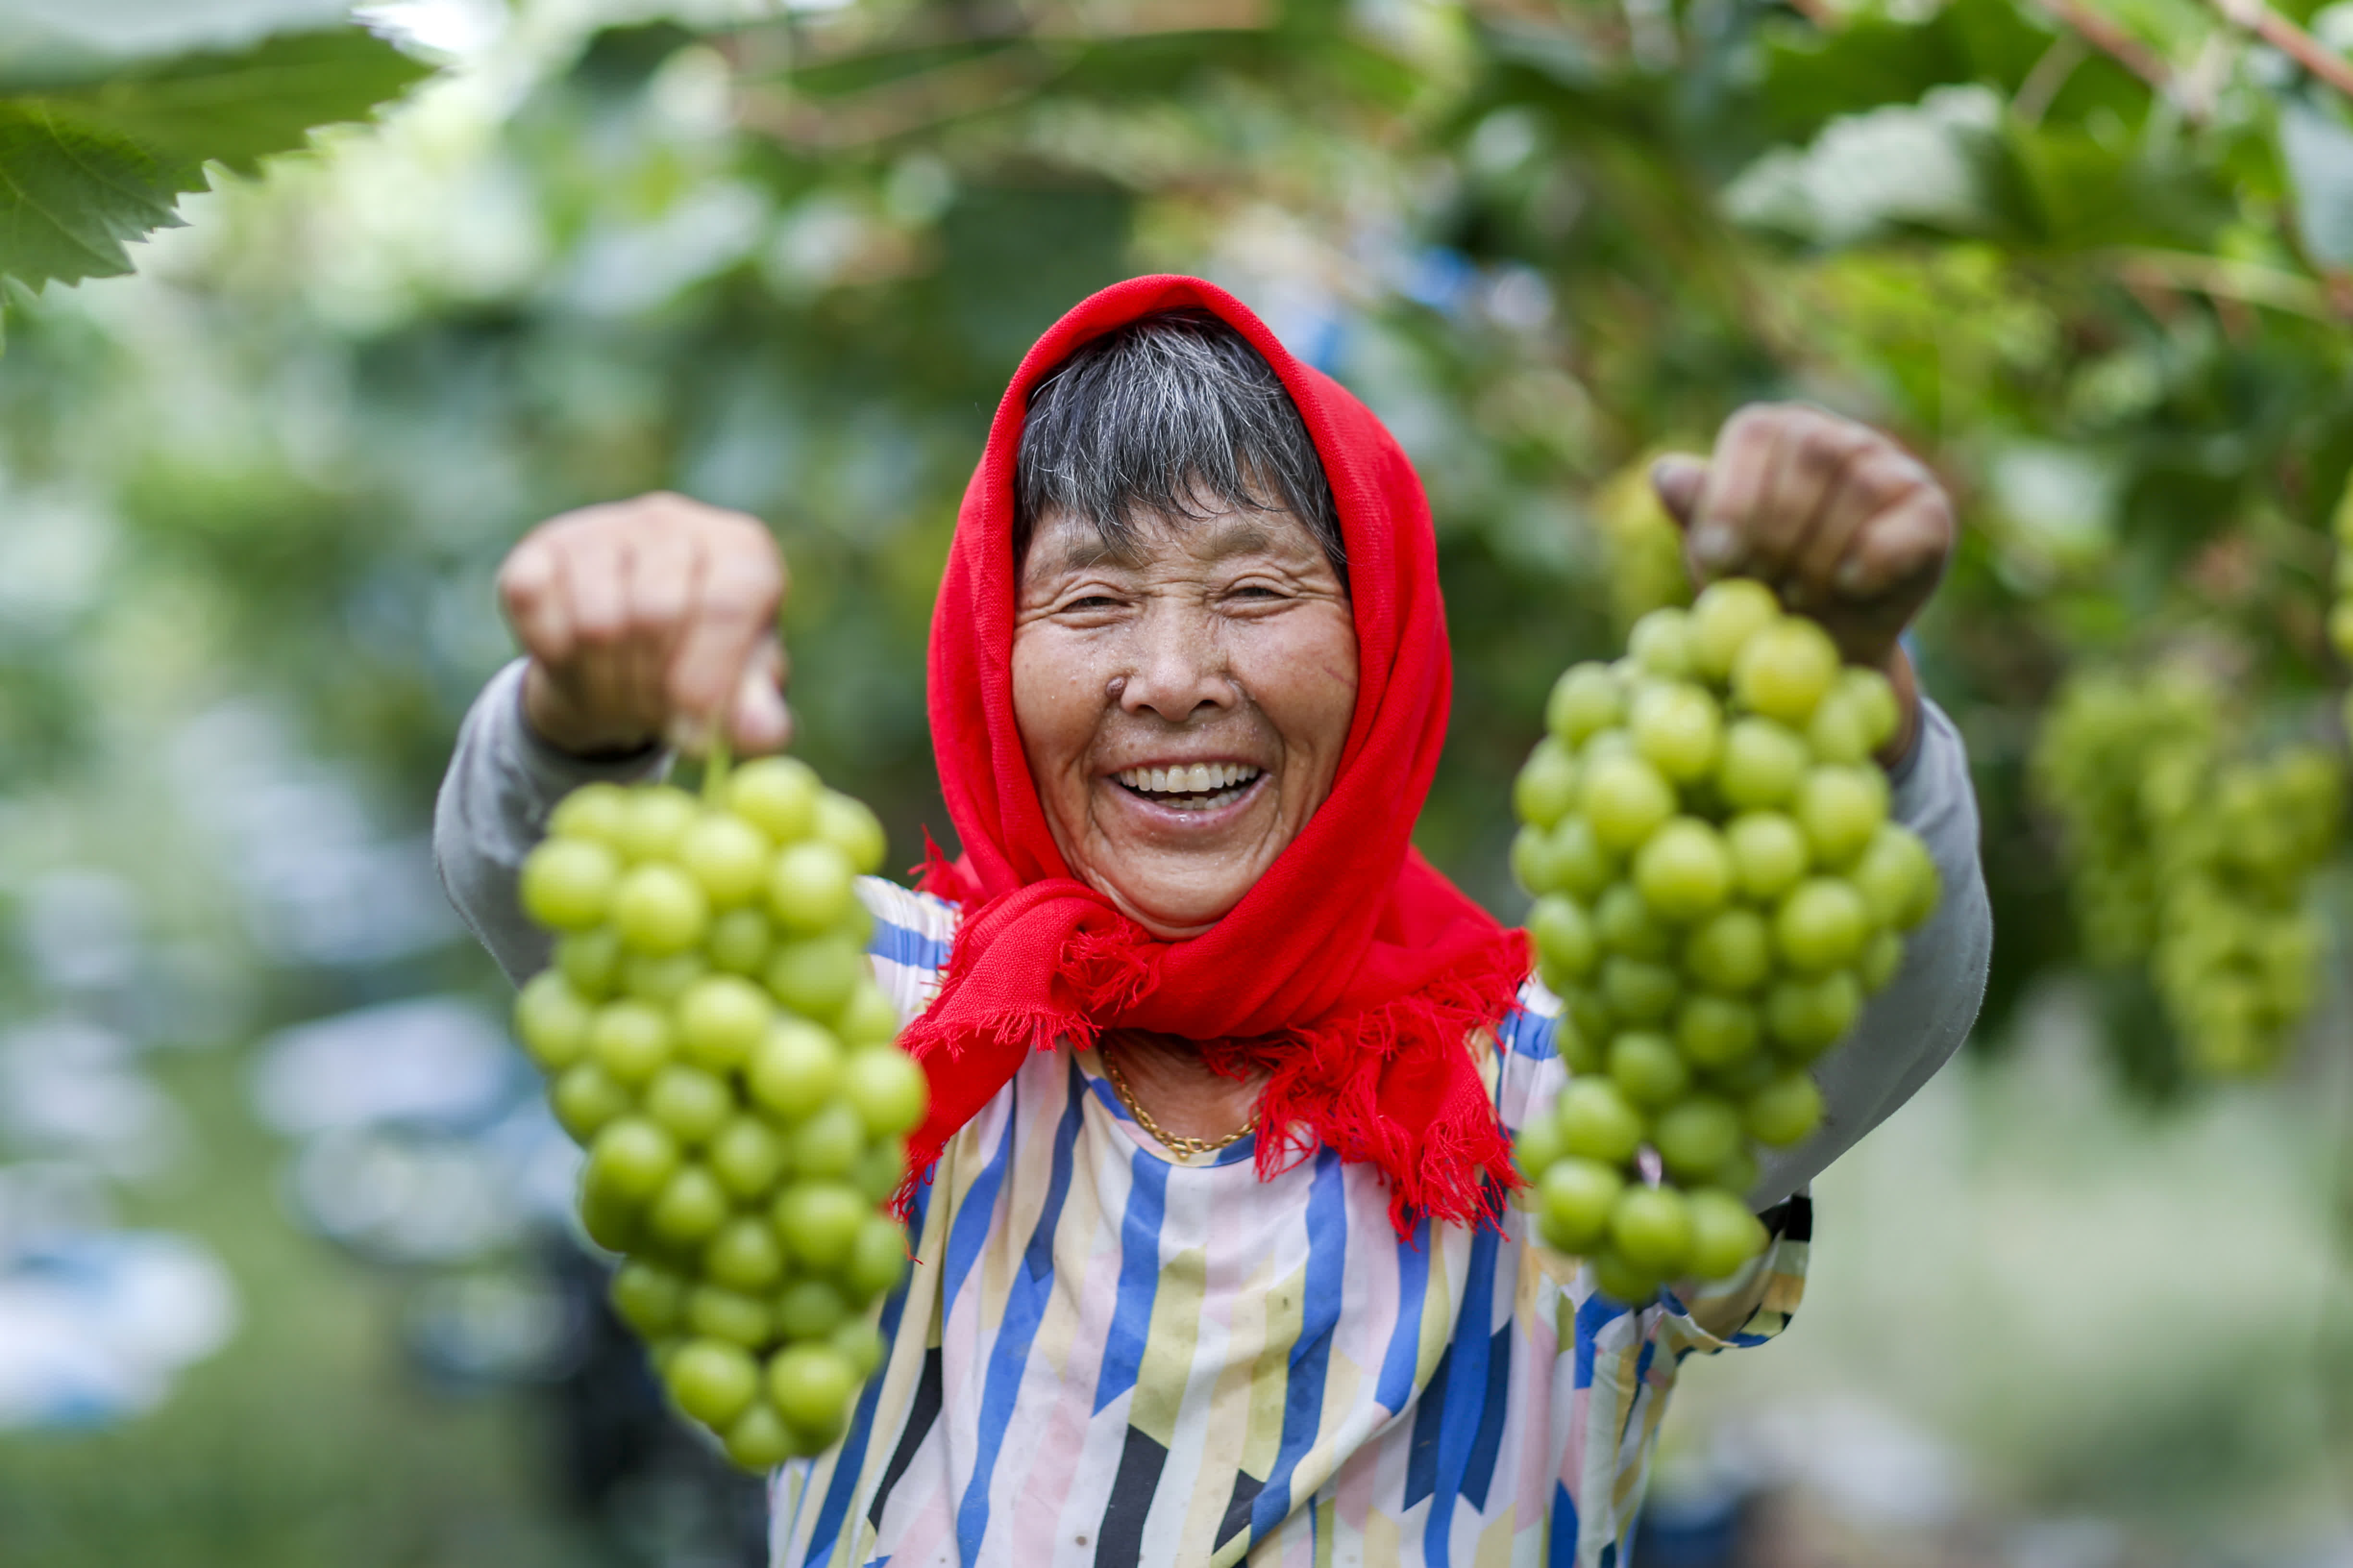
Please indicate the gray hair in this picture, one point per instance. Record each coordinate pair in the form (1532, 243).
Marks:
(1176, 415)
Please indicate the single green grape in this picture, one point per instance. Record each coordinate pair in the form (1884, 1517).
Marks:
(845, 823)
(1639, 991)
(1713, 1031)
(828, 1142)
(816, 978)
(777, 794)
(1723, 619)
(1821, 925)
(810, 888)
(1730, 952)
(1577, 864)
(712, 1380)
(1785, 1111)
(1659, 644)
(1545, 786)
(1784, 669)
(747, 1155)
(1695, 1136)
(1531, 859)
(860, 1345)
(738, 941)
(1770, 854)
(1624, 922)
(1840, 730)
(1806, 1017)
(595, 812)
(1598, 1122)
(567, 883)
(1585, 700)
(661, 980)
(759, 1440)
(1883, 956)
(743, 1256)
(689, 1102)
(794, 1070)
(1645, 1066)
(721, 1019)
(811, 1383)
(1564, 936)
(1684, 871)
(1725, 1235)
(1573, 1200)
(584, 1097)
(886, 1089)
(730, 1315)
(691, 1205)
(551, 1019)
(648, 1297)
(659, 908)
(1651, 1229)
(809, 1309)
(1535, 1146)
(610, 1220)
(629, 1040)
(881, 1169)
(1872, 695)
(878, 1257)
(631, 1158)
(1762, 762)
(727, 858)
(591, 960)
(1678, 730)
(1625, 799)
(820, 1221)
(657, 818)
(1619, 1280)
(1839, 809)
(868, 1018)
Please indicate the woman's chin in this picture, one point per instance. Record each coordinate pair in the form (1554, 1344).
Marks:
(1168, 902)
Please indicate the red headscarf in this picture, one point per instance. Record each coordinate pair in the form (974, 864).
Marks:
(1353, 972)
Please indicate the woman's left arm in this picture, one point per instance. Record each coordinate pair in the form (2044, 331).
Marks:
(1913, 1026)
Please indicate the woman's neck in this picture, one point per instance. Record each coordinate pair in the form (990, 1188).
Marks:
(1170, 1079)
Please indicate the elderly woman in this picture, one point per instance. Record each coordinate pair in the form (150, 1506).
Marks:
(1212, 1259)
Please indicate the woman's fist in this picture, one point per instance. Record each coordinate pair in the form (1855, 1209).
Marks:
(1850, 528)
(649, 619)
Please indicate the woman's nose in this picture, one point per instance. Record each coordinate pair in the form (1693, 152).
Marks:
(1177, 667)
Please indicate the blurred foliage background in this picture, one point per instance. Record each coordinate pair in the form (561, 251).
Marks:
(2091, 261)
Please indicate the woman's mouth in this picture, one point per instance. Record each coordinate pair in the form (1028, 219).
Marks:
(1197, 786)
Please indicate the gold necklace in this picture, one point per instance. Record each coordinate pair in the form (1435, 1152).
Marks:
(1183, 1148)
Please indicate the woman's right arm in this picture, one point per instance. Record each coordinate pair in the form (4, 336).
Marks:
(644, 624)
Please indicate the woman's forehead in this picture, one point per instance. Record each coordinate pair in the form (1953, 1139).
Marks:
(1066, 541)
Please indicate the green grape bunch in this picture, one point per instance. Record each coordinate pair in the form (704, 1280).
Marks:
(2190, 855)
(714, 1039)
(1717, 890)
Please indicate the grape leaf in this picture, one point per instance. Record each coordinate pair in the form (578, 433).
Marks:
(84, 170)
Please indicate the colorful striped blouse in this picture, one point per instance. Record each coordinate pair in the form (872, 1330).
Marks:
(1105, 1354)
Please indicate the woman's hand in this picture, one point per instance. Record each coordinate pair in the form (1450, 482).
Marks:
(649, 619)
(1846, 525)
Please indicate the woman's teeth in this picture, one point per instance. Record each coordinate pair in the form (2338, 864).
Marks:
(1202, 787)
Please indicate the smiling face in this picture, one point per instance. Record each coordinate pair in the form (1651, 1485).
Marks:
(1182, 702)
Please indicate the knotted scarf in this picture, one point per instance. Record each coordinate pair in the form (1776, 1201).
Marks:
(1352, 973)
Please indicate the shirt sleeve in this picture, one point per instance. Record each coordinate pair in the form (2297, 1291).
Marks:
(1913, 1027)
(502, 781)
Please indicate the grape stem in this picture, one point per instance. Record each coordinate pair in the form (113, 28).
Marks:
(715, 764)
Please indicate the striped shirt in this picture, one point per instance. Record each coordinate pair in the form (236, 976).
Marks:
(1108, 1353)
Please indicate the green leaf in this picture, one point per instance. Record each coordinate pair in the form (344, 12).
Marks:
(85, 170)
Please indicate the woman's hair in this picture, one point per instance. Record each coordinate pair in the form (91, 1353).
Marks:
(1173, 416)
